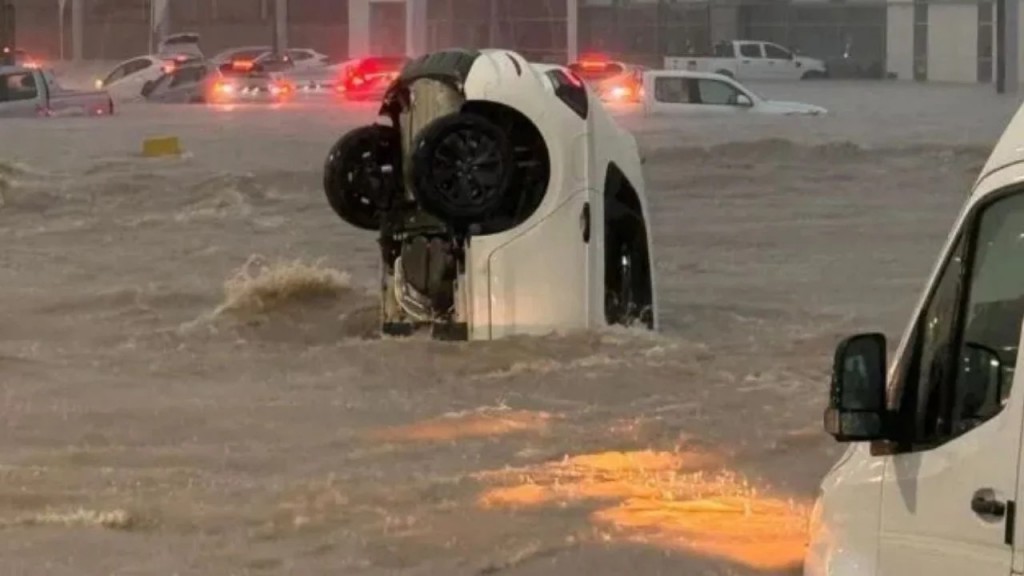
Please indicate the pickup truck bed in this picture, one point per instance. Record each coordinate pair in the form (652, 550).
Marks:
(28, 92)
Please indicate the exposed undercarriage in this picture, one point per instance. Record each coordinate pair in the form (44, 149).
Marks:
(444, 170)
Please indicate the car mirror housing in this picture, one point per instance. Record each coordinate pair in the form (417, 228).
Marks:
(857, 409)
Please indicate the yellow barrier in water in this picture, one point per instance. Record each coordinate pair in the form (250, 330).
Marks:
(156, 147)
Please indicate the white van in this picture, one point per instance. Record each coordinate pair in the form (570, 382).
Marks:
(930, 482)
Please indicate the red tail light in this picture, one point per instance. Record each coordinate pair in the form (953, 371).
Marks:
(242, 65)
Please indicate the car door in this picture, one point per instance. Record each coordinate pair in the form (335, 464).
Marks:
(950, 485)
(750, 61)
(780, 63)
(129, 86)
(717, 96)
(665, 91)
(20, 94)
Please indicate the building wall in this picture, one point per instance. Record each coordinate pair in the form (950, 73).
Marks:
(900, 40)
(955, 50)
(952, 42)
(119, 29)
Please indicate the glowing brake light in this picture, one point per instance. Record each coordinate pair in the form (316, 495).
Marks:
(242, 65)
(34, 65)
(281, 89)
(620, 93)
(224, 88)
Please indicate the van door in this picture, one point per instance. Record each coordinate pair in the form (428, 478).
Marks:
(950, 487)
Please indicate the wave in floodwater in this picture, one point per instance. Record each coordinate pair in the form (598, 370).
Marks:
(292, 301)
(772, 149)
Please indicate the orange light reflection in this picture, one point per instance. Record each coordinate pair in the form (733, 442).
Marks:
(665, 499)
(467, 425)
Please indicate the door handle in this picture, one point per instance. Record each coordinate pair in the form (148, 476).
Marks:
(985, 503)
(585, 223)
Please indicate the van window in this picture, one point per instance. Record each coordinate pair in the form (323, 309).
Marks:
(18, 86)
(977, 301)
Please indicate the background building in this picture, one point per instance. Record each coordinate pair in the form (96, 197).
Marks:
(947, 41)
(934, 40)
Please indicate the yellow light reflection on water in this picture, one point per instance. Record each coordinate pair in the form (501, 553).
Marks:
(665, 499)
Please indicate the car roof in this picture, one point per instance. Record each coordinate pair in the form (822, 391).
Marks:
(689, 74)
(15, 69)
(1008, 151)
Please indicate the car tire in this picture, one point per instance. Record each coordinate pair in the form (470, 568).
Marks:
(462, 168)
(110, 106)
(362, 174)
(812, 75)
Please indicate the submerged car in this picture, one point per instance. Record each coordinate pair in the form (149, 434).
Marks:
(243, 81)
(611, 80)
(686, 92)
(369, 78)
(506, 200)
(187, 84)
(28, 92)
(127, 79)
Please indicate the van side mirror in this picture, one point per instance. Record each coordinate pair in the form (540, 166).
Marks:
(856, 407)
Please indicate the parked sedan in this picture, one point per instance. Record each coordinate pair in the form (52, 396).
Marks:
(688, 92)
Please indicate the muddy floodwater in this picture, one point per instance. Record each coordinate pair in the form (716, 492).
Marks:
(186, 386)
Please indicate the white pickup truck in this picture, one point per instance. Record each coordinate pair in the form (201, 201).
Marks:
(26, 92)
(752, 60)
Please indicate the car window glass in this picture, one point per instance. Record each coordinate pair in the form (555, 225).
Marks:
(716, 93)
(136, 66)
(930, 374)
(161, 83)
(671, 90)
(750, 50)
(775, 52)
(943, 387)
(19, 86)
(299, 55)
(995, 306)
(116, 74)
(188, 76)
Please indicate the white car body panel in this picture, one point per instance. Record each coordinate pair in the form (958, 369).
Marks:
(910, 513)
(764, 61)
(129, 86)
(564, 289)
(656, 102)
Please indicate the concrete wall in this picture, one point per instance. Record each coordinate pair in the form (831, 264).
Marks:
(900, 40)
(417, 39)
(953, 42)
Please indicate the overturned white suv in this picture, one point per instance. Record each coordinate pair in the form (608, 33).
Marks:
(508, 202)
